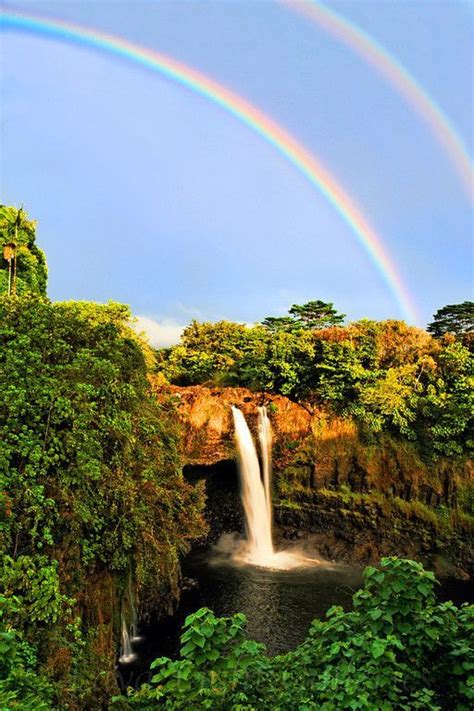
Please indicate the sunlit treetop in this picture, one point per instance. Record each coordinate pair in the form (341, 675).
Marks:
(312, 316)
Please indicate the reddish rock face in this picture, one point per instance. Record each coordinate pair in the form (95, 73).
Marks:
(206, 417)
(313, 448)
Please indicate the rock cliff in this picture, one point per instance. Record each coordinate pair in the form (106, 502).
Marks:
(363, 499)
(206, 419)
(312, 448)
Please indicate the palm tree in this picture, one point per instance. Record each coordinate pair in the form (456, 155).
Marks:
(15, 223)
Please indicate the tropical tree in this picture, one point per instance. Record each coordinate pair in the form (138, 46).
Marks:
(206, 351)
(9, 253)
(91, 494)
(453, 318)
(23, 266)
(279, 323)
(316, 314)
(312, 315)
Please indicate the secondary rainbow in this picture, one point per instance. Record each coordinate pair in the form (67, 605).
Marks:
(398, 76)
(245, 112)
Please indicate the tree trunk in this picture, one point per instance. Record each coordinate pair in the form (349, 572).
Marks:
(14, 276)
(14, 259)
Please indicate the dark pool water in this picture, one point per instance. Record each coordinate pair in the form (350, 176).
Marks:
(279, 605)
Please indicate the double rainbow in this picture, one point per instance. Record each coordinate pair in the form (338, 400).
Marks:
(250, 115)
(398, 76)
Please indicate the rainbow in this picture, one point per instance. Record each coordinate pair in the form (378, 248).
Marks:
(406, 85)
(245, 112)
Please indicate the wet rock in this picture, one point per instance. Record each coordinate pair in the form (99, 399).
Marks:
(356, 533)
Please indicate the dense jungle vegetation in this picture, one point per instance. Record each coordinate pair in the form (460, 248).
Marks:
(95, 513)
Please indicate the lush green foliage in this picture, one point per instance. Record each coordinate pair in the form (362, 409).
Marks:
(91, 493)
(21, 687)
(389, 376)
(22, 263)
(397, 649)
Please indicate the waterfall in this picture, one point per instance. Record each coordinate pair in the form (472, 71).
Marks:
(129, 631)
(126, 652)
(255, 494)
(257, 498)
(265, 440)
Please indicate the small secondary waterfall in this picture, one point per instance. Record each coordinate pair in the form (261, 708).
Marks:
(129, 629)
(134, 636)
(126, 652)
(257, 508)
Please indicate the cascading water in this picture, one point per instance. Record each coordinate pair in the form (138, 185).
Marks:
(126, 652)
(257, 499)
(257, 519)
(265, 439)
(132, 598)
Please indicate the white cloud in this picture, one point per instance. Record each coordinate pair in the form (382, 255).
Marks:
(160, 334)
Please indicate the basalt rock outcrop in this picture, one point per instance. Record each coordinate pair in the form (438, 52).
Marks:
(206, 419)
(363, 529)
(312, 448)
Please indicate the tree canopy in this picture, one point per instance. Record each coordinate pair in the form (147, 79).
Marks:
(454, 318)
(312, 315)
(387, 375)
(316, 314)
(91, 495)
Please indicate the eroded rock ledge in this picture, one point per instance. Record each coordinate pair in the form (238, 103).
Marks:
(313, 448)
(206, 417)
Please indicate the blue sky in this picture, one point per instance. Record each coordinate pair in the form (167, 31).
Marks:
(148, 194)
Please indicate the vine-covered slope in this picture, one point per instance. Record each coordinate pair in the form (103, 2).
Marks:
(94, 510)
